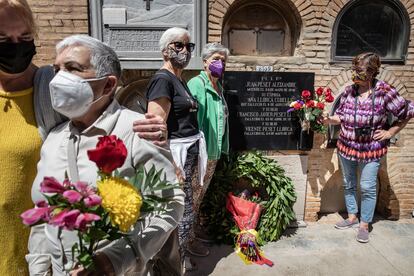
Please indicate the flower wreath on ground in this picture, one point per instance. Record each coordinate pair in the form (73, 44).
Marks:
(265, 179)
(309, 108)
(107, 212)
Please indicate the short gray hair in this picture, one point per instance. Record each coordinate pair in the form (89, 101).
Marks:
(212, 48)
(170, 35)
(103, 59)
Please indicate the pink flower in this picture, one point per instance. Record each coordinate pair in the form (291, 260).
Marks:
(92, 200)
(51, 185)
(41, 212)
(72, 196)
(66, 183)
(85, 219)
(65, 219)
(90, 197)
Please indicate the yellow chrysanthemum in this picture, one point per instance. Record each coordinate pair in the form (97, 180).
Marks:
(121, 200)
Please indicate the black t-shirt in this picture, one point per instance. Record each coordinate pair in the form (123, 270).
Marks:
(182, 119)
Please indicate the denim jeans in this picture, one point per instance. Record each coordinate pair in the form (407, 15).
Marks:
(368, 183)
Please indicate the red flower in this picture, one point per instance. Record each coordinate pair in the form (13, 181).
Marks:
(297, 106)
(306, 94)
(329, 98)
(328, 92)
(319, 91)
(110, 153)
(310, 103)
(320, 106)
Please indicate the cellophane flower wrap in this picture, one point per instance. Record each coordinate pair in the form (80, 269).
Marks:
(246, 214)
(107, 212)
(309, 108)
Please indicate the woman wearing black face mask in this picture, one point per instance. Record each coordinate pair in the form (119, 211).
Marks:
(169, 97)
(20, 146)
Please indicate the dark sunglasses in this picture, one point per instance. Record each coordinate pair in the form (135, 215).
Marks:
(179, 46)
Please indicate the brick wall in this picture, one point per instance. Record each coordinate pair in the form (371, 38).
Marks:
(312, 54)
(56, 20)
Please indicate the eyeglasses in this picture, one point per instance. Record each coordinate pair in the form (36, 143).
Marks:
(179, 46)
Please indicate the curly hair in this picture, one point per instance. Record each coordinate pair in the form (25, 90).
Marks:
(371, 61)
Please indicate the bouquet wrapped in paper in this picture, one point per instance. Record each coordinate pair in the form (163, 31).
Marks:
(107, 212)
(246, 214)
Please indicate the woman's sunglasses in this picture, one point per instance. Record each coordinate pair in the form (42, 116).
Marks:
(179, 46)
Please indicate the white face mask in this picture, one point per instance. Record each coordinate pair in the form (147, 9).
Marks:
(71, 95)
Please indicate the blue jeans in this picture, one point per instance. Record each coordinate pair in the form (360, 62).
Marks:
(368, 184)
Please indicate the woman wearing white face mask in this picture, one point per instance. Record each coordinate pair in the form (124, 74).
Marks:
(212, 114)
(83, 89)
(169, 97)
(72, 95)
(26, 117)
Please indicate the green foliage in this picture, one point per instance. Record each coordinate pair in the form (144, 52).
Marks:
(265, 176)
(149, 182)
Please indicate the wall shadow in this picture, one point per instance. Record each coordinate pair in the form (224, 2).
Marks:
(387, 202)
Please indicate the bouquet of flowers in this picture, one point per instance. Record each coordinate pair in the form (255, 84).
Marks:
(246, 213)
(309, 109)
(107, 212)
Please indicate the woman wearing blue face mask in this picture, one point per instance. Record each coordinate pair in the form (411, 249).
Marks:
(169, 97)
(212, 113)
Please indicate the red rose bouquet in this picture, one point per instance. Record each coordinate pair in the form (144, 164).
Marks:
(309, 108)
(246, 213)
(106, 212)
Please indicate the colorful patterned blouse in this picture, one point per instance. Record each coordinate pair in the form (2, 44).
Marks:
(365, 148)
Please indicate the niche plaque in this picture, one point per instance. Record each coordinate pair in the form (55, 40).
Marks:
(258, 104)
(133, 28)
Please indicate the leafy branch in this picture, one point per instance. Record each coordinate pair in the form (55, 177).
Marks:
(262, 174)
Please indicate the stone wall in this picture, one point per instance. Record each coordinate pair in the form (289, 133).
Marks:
(57, 19)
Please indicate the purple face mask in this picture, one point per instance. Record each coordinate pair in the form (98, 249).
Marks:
(216, 68)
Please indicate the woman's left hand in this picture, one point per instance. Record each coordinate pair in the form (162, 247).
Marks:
(152, 128)
(381, 135)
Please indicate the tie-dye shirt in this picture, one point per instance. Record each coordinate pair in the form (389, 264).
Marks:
(365, 148)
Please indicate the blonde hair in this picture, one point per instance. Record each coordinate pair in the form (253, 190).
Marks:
(22, 8)
(371, 60)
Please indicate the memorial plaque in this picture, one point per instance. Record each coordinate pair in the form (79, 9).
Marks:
(258, 104)
(133, 28)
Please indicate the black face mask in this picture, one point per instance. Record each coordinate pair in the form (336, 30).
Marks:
(16, 57)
